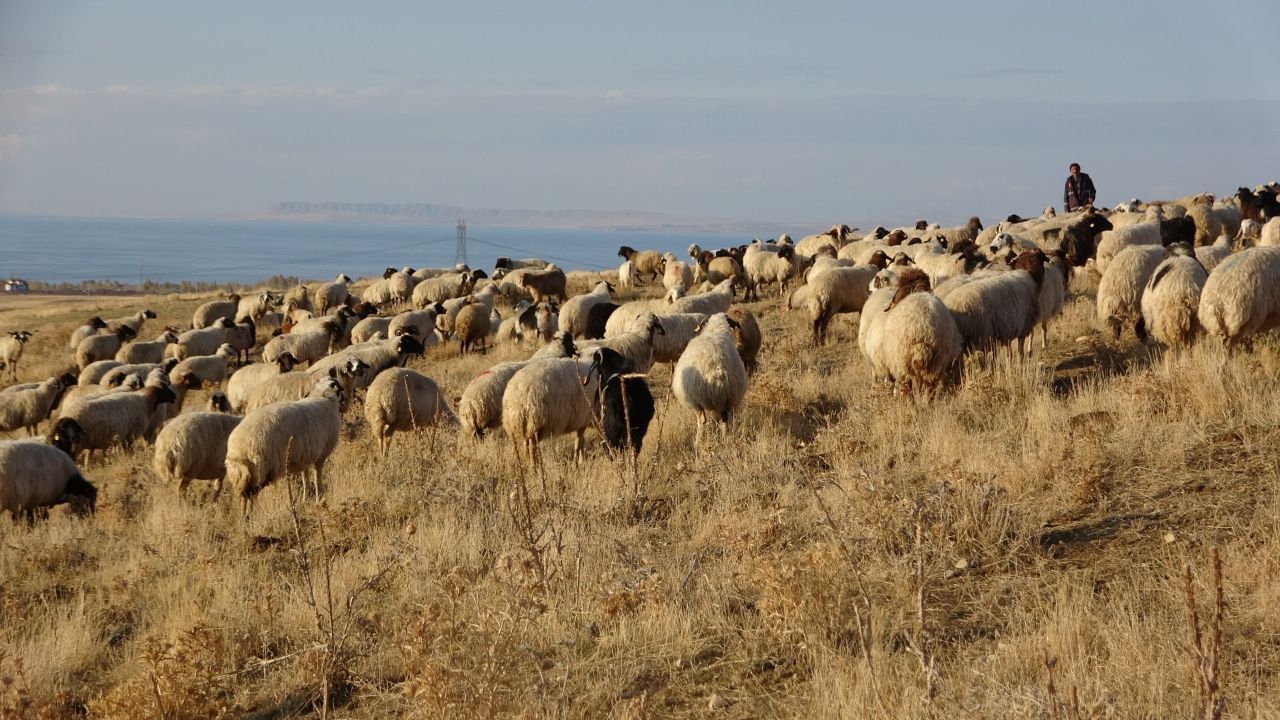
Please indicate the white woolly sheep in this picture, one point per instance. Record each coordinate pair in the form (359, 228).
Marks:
(1119, 299)
(1269, 235)
(678, 329)
(119, 375)
(837, 290)
(334, 294)
(34, 475)
(480, 408)
(573, 313)
(254, 306)
(89, 329)
(636, 347)
(918, 341)
(207, 368)
(134, 321)
(1053, 294)
(676, 273)
(1241, 296)
(209, 313)
(102, 347)
(194, 447)
(1211, 255)
(307, 346)
(555, 397)
(377, 355)
(710, 378)
(1172, 298)
(439, 289)
(147, 351)
(201, 341)
(763, 267)
(11, 348)
(996, 307)
(95, 371)
(626, 275)
(401, 399)
(418, 323)
(113, 417)
(1113, 241)
(244, 380)
(284, 438)
(30, 407)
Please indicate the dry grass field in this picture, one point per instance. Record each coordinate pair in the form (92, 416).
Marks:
(1037, 543)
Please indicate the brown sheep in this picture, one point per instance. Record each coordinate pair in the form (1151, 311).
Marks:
(644, 262)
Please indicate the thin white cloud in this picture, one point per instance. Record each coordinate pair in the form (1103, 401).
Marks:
(10, 145)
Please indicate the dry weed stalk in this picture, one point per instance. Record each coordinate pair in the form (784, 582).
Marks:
(333, 626)
(1206, 659)
(1071, 706)
(920, 645)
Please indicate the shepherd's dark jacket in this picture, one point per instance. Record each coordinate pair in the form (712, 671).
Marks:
(1078, 194)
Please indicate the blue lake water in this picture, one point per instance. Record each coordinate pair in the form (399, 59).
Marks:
(59, 249)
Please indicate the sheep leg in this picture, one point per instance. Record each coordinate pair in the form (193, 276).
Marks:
(1044, 336)
(580, 446)
(217, 489)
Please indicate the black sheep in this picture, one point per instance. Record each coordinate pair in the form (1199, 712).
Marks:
(597, 316)
(626, 398)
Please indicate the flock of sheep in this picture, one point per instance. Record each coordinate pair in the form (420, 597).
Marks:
(926, 296)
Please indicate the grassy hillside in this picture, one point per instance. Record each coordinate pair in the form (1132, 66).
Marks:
(1019, 547)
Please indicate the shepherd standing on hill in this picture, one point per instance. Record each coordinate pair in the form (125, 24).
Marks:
(1079, 192)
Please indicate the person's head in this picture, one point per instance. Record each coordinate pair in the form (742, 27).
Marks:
(1075, 168)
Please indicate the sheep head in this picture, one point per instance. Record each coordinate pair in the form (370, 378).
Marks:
(911, 280)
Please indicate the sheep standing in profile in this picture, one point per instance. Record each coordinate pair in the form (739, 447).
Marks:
(643, 262)
(575, 311)
(89, 329)
(334, 294)
(29, 407)
(544, 284)
(209, 313)
(1172, 298)
(401, 399)
(244, 380)
(102, 347)
(147, 351)
(113, 417)
(472, 326)
(837, 290)
(554, 397)
(710, 378)
(201, 341)
(134, 321)
(763, 267)
(285, 438)
(34, 475)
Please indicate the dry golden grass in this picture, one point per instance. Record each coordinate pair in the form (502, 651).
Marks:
(1016, 548)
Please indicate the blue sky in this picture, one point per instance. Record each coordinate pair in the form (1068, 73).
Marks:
(779, 112)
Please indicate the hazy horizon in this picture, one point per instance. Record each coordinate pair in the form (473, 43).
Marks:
(816, 112)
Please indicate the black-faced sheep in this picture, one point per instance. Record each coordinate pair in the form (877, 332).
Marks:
(644, 262)
(34, 475)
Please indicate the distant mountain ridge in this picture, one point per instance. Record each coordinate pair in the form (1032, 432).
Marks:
(432, 214)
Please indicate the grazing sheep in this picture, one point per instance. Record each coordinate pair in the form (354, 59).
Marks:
(403, 399)
(119, 375)
(421, 324)
(919, 342)
(643, 262)
(93, 374)
(114, 417)
(1241, 296)
(506, 263)
(377, 355)
(626, 409)
(676, 273)
(480, 408)
(201, 341)
(297, 385)
(194, 447)
(997, 307)
(574, 311)
(332, 295)
(835, 238)
(1119, 298)
(244, 380)
(484, 296)
(34, 475)
(284, 438)
(89, 329)
(307, 346)
(439, 289)
(677, 330)
(371, 328)
(763, 267)
(472, 325)
(102, 347)
(716, 300)
(1172, 298)
(11, 351)
(710, 378)
(147, 351)
(837, 290)
(209, 313)
(544, 284)
(207, 368)
(1114, 241)
(134, 321)
(555, 397)
(636, 347)
(1211, 255)
(30, 407)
